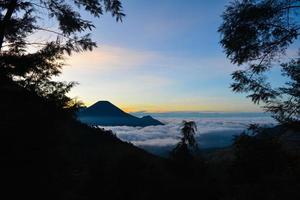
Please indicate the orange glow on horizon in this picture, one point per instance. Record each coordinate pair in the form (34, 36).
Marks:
(160, 108)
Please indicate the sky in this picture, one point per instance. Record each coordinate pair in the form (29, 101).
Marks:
(164, 56)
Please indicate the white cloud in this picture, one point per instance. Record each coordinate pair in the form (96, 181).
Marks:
(110, 58)
(213, 132)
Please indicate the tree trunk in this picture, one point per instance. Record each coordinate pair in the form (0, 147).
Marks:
(3, 24)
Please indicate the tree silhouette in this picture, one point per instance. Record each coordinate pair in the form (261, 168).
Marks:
(256, 35)
(32, 63)
(258, 154)
(187, 141)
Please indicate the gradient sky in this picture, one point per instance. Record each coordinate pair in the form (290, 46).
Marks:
(165, 56)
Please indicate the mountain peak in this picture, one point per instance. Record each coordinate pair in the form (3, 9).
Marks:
(107, 114)
(104, 108)
(103, 102)
(147, 117)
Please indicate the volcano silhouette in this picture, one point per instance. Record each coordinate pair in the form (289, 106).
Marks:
(104, 113)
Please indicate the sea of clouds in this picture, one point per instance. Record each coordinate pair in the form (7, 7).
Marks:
(215, 130)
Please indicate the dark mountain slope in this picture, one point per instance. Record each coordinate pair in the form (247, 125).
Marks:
(46, 154)
(105, 113)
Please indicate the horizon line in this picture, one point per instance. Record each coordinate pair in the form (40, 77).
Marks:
(196, 112)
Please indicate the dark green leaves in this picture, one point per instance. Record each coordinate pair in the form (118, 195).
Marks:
(256, 34)
(69, 20)
(252, 29)
(33, 68)
(187, 141)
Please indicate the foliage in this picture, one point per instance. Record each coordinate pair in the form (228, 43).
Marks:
(47, 154)
(258, 155)
(33, 63)
(187, 141)
(288, 109)
(256, 34)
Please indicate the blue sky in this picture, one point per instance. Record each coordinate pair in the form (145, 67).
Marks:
(165, 56)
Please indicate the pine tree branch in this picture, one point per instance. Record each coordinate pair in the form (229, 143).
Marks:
(11, 7)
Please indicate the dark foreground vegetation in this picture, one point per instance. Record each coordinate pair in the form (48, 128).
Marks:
(47, 154)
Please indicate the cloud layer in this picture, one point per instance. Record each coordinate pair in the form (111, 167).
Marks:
(212, 132)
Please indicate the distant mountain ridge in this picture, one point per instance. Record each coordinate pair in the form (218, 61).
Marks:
(104, 113)
(103, 108)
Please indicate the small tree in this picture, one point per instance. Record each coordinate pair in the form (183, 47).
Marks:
(187, 141)
(255, 35)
